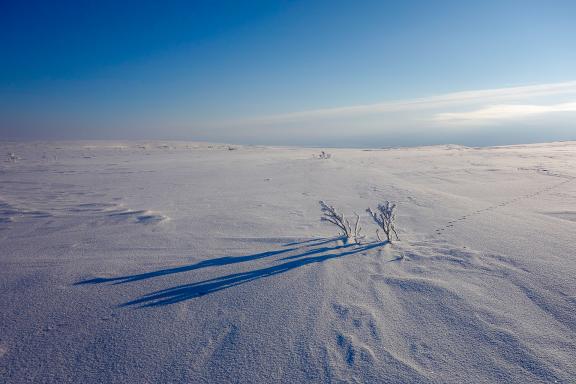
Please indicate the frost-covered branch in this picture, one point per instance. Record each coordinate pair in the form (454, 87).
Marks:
(357, 228)
(332, 216)
(384, 217)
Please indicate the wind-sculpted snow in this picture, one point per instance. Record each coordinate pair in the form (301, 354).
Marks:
(135, 262)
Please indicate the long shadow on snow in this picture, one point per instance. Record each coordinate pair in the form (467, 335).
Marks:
(313, 242)
(189, 291)
(226, 260)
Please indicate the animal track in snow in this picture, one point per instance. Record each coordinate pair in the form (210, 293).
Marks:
(450, 224)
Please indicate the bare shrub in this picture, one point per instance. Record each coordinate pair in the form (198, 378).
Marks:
(332, 216)
(323, 155)
(384, 217)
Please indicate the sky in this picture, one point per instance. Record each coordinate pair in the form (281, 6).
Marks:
(317, 73)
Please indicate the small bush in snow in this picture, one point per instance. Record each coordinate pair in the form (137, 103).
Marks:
(12, 157)
(384, 217)
(324, 156)
(331, 215)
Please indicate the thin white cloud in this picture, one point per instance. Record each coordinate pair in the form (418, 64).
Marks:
(497, 113)
(485, 96)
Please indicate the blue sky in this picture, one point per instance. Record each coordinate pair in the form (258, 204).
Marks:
(290, 72)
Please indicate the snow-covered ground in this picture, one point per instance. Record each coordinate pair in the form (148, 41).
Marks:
(148, 262)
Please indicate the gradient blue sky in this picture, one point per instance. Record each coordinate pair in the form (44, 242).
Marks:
(290, 72)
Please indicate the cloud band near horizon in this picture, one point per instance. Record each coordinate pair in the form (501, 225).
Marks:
(488, 105)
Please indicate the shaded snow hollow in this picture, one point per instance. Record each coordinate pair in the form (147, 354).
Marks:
(172, 262)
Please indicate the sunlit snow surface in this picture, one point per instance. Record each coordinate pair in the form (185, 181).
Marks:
(164, 262)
